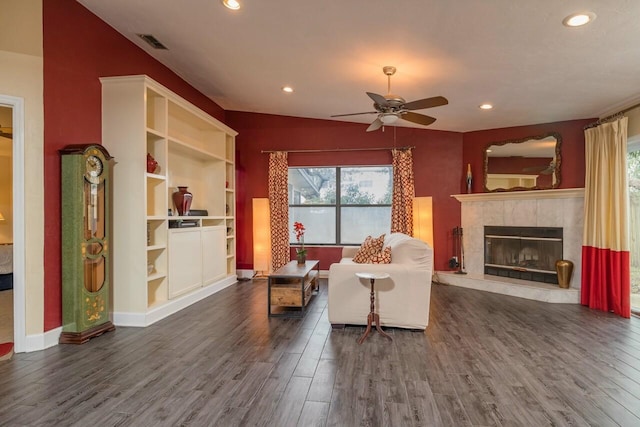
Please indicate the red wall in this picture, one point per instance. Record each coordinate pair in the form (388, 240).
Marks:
(572, 149)
(437, 166)
(78, 49)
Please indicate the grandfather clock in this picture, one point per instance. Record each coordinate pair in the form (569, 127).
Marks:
(85, 243)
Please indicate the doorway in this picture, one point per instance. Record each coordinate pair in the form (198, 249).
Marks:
(17, 226)
(6, 232)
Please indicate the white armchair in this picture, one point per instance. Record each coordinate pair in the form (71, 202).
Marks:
(401, 301)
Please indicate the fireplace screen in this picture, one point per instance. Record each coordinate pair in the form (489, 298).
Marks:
(527, 253)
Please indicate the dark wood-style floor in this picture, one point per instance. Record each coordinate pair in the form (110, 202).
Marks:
(484, 360)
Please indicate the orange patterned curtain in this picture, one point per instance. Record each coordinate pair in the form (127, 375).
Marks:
(403, 192)
(279, 205)
(606, 279)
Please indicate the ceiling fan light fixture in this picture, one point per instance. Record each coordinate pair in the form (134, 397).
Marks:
(231, 4)
(388, 119)
(578, 19)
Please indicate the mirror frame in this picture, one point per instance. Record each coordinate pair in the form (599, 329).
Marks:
(558, 138)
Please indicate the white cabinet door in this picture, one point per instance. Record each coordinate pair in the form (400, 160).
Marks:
(185, 261)
(214, 254)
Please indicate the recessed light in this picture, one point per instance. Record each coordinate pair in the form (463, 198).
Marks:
(287, 89)
(485, 106)
(578, 19)
(231, 4)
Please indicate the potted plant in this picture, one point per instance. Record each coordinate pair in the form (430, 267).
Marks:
(301, 253)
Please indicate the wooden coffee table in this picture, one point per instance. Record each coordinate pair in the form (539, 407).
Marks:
(292, 286)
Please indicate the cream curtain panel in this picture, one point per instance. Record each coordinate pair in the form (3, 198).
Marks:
(279, 207)
(605, 252)
(403, 192)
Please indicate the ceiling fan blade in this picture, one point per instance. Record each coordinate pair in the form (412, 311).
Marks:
(537, 169)
(543, 170)
(378, 99)
(420, 119)
(6, 132)
(419, 104)
(354, 114)
(377, 124)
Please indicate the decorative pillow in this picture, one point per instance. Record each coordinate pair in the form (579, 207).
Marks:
(383, 257)
(369, 248)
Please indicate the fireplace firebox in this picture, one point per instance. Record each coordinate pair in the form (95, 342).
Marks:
(526, 253)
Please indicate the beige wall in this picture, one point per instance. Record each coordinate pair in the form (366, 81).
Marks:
(21, 75)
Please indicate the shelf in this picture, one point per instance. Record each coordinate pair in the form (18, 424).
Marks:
(156, 176)
(140, 117)
(186, 150)
(157, 303)
(155, 276)
(155, 132)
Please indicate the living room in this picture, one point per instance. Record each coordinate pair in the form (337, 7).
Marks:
(55, 70)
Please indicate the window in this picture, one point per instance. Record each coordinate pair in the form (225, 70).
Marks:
(340, 205)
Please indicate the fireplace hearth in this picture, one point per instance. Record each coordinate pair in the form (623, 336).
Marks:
(526, 253)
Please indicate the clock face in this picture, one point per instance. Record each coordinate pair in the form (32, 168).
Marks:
(93, 166)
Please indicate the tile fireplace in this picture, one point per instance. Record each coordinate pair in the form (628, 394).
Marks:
(561, 209)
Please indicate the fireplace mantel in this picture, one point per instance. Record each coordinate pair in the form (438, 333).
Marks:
(533, 208)
(561, 193)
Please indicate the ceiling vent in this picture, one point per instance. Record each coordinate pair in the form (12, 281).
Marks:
(153, 42)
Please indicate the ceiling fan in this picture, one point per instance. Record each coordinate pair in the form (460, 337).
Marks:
(542, 170)
(390, 107)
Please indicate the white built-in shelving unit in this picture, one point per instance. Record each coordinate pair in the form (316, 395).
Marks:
(159, 269)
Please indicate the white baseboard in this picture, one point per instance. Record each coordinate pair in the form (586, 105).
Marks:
(170, 307)
(44, 340)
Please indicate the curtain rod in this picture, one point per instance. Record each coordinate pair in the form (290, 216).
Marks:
(326, 150)
(609, 117)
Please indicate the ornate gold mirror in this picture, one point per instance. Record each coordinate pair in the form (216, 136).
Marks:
(531, 163)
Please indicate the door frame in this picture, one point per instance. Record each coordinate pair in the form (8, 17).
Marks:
(19, 256)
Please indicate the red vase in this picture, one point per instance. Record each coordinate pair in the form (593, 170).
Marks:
(152, 165)
(182, 199)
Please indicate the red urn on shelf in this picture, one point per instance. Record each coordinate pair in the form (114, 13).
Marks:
(182, 199)
(152, 165)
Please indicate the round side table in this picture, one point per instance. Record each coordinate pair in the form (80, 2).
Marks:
(373, 317)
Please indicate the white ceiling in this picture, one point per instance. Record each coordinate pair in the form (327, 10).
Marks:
(515, 54)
